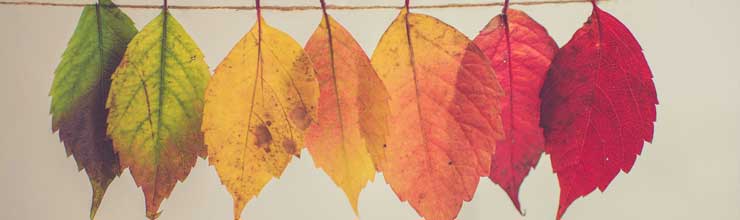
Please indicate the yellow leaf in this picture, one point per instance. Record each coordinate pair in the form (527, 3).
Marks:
(259, 103)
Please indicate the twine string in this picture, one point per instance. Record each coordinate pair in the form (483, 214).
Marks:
(305, 7)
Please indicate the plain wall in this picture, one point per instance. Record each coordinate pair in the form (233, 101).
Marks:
(690, 172)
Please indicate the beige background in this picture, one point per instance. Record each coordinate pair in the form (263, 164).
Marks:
(690, 172)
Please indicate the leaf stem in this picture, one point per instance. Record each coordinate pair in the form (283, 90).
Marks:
(323, 7)
(406, 5)
(506, 7)
(258, 8)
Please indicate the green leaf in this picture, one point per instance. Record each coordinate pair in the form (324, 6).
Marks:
(155, 103)
(81, 83)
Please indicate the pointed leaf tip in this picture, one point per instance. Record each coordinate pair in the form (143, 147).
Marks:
(97, 197)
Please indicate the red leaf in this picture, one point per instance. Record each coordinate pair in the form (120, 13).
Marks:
(598, 107)
(520, 51)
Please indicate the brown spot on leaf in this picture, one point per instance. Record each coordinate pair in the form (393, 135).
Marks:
(264, 138)
(289, 146)
(300, 117)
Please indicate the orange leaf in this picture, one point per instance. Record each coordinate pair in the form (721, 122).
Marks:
(445, 114)
(353, 110)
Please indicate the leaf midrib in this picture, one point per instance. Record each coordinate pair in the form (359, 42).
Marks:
(162, 71)
(336, 86)
(101, 65)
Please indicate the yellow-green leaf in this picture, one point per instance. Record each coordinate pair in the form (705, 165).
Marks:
(155, 103)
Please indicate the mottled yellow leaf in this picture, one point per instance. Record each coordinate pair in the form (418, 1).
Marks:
(259, 103)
